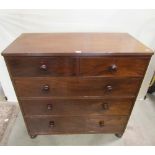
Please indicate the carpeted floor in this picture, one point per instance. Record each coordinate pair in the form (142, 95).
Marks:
(8, 115)
(140, 131)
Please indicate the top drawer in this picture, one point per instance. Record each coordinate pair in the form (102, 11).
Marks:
(113, 66)
(42, 66)
(72, 66)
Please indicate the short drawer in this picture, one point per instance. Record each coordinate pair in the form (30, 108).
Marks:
(113, 66)
(46, 87)
(75, 107)
(68, 124)
(42, 66)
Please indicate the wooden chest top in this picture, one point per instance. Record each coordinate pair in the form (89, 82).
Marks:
(73, 44)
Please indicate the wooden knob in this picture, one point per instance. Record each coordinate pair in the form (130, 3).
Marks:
(51, 124)
(113, 68)
(43, 67)
(49, 107)
(101, 123)
(105, 106)
(45, 87)
(109, 88)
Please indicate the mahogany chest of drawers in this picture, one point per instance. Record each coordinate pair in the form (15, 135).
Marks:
(70, 83)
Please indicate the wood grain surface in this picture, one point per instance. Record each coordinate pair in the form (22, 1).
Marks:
(76, 82)
(76, 124)
(76, 107)
(66, 86)
(49, 44)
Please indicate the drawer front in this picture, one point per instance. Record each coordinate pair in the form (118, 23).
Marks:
(75, 107)
(42, 66)
(68, 124)
(46, 87)
(113, 66)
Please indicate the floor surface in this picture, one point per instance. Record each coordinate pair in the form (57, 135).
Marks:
(8, 114)
(140, 131)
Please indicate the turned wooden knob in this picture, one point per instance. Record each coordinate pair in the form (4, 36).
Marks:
(113, 68)
(43, 67)
(46, 88)
(51, 124)
(105, 106)
(109, 88)
(49, 107)
(101, 123)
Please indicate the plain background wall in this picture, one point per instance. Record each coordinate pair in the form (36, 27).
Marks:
(139, 23)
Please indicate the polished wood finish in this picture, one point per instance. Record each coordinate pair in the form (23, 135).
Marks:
(76, 82)
(46, 87)
(66, 44)
(70, 66)
(75, 107)
(42, 66)
(113, 66)
(76, 124)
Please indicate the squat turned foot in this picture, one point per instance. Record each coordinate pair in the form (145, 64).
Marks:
(33, 136)
(119, 135)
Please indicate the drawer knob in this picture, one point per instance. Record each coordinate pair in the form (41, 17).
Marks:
(105, 106)
(46, 88)
(43, 67)
(49, 107)
(113, 68)
(109, 88)
(101, 123)
(51, 124)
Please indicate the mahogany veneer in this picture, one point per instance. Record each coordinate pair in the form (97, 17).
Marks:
(76, 82)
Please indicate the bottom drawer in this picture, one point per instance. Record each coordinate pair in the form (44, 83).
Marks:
(76, 124)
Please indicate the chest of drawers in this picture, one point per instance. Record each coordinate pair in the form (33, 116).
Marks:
(70, 83)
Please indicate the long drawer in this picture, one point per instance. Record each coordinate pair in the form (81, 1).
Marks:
(113, 66)
(65, 86)
(67, 124)
(75, 107)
